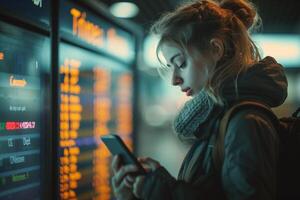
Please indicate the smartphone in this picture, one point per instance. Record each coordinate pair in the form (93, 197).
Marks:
(116, 146)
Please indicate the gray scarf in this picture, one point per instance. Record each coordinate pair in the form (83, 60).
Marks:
(194, 113)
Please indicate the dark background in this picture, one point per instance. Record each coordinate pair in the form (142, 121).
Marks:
(279, 16)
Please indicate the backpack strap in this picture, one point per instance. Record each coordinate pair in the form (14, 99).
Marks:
(295, 114)
(218, 152)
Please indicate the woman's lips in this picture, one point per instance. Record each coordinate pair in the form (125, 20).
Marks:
(189, 92)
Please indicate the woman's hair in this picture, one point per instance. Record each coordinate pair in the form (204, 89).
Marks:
(196, 23)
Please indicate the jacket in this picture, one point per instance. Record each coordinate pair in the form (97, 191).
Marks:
(251, 147)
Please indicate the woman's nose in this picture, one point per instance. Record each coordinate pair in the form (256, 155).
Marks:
(176, 80)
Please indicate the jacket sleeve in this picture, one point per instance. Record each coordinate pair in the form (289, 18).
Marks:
(249, 168)
(160, 185)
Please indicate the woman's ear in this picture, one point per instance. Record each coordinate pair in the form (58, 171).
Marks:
(217, 49)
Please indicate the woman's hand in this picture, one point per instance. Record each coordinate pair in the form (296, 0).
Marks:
(122, 181)
(149, 165)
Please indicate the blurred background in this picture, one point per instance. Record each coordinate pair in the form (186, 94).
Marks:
(159, 101)
(72, 71)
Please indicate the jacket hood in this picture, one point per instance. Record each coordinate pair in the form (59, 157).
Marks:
(265, 81)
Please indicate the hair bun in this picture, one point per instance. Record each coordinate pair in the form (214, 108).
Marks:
(243, 9)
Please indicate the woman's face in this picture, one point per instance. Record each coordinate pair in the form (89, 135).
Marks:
(189, 71)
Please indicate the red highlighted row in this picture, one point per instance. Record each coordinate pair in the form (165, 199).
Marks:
(10, 126)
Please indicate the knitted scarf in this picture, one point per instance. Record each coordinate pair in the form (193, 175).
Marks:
(194, 113)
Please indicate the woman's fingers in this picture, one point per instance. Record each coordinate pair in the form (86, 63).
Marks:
(138, 186)
(128, 181)
(122, 175)
(122, 187)
(121, 182)
(149, 163)
(130, 178)
(114, 182)
(122, 172)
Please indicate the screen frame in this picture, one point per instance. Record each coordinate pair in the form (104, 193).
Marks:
(50, 182)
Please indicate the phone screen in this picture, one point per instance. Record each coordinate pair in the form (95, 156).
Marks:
(117, 147)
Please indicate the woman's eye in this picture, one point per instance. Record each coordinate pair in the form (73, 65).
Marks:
(183, 64)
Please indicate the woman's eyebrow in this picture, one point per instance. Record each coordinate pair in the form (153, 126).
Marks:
(173, 57)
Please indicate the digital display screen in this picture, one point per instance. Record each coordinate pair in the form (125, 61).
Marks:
(24, 90)
(89, 29)
(96, 95)
(36, 11)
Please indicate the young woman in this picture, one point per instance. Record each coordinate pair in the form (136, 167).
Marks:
(212, 58)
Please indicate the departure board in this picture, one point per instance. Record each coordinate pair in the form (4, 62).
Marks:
(84, 27)
(24, 90)
(96, 95)
(34, 11)
(95, 55)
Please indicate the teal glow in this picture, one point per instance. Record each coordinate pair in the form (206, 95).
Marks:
(149, 53)
(285, 48)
